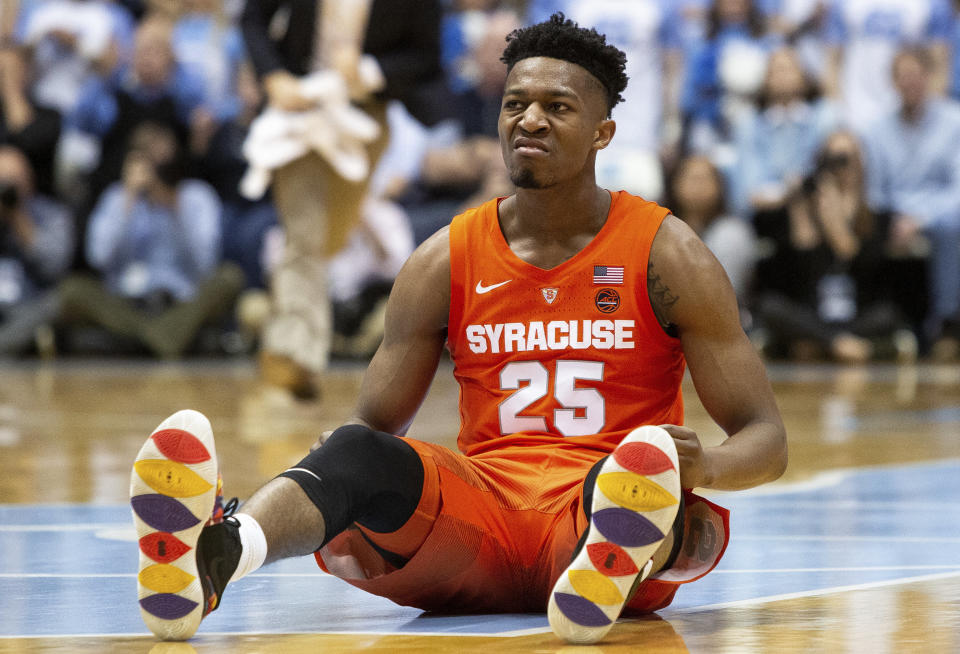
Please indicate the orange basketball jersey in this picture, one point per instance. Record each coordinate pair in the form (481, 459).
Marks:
(573, 354)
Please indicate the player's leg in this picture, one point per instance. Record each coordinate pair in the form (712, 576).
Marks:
(359, 475)
(634, 500)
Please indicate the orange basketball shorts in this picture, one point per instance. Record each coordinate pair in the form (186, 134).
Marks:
(491, 534)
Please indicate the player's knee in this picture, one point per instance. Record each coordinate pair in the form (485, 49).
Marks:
(364, 476)
(358, 444)
(383, 462)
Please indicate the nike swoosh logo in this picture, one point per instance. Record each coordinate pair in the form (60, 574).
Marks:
(481, 289)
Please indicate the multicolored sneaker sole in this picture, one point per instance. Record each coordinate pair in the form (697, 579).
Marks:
(635, 501)
(173, 493)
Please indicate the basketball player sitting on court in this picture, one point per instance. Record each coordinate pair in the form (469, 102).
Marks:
(570, 313)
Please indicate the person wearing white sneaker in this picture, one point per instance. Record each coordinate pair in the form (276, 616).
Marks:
(570, 313)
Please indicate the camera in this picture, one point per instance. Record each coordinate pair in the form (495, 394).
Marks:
(833, 162)
(9, 195)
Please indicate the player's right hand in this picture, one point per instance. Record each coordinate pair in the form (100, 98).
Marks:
(690, 456)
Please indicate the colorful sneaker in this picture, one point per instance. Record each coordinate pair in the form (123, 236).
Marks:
(218, 553)
(218, 550)
(173, 494)
(635, 501)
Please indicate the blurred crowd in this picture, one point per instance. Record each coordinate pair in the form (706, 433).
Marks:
(813, 145)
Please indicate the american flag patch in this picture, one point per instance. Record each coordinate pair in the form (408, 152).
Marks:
(608, 274)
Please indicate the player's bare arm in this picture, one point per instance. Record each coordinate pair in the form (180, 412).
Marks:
(402, 369)
(693, 299)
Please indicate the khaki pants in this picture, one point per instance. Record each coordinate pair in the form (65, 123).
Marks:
(85, 299)
(318, 210)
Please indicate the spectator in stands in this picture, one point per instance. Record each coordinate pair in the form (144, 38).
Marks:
(152, 88)
(72, 42)
(802, 25)
(823, 287)
(31, 128)
(864, 36)
(696, 191)
(434, 172)
(473, 34)
(915, 173)
(211, 47)
(693, 23)
(649, 33)
(154, 237)
(776, 141)
(36, 247)
(722, 70)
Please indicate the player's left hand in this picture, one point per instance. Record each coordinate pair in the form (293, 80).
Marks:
(690, 454)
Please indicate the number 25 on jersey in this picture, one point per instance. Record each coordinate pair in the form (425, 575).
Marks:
(565, 390)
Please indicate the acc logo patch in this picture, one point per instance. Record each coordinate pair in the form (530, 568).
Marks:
(607, 300)
(549, 294)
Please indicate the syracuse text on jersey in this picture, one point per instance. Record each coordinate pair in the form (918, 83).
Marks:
(554, 335)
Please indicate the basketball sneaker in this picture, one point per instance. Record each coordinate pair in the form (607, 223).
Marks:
(635, 501)
(189, 543)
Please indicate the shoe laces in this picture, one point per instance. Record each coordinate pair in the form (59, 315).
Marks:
(229, 509)
(222, 511)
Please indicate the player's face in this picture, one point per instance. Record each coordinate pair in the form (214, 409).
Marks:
(552, 120)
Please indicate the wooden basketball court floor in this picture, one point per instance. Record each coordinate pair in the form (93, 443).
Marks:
(856, 549)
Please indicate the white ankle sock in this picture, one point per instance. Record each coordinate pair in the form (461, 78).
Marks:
(254, 546)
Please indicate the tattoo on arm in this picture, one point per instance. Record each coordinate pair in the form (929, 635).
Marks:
(661, 299)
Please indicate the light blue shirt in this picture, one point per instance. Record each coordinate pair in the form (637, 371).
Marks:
(97, 108)
(776, 144)
(59, 73)
(152, 248)
(914, 168)
(213, 52)
(870, 32)
(955, 59)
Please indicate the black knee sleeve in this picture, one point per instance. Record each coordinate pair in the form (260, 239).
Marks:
(361, 476)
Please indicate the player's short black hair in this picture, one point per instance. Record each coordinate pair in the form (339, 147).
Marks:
(561, 38)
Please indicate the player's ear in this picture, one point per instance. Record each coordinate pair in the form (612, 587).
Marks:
(604, 133)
